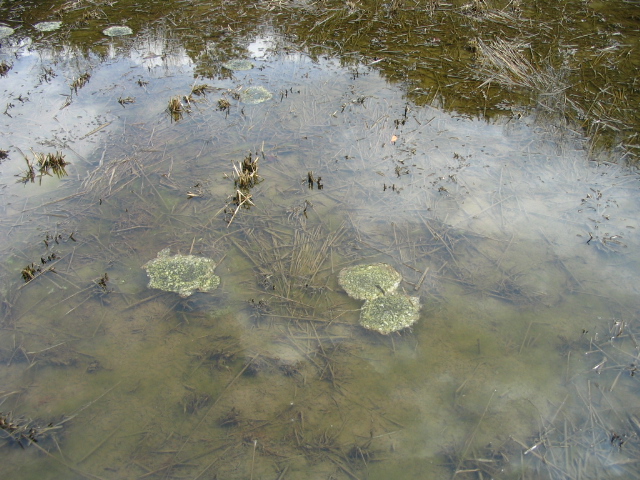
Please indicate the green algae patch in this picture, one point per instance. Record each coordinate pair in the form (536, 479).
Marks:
(6, 31)
(253, 95)
(390, 313)
(47, 26)
(182, 274)
(366, 282)
(238, 64)
(117, 31)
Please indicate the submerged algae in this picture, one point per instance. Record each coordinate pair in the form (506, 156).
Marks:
(6, 31)
(366, 282)
(390, 313)
(238, 64)
(117, 31)
(253, 95)
(183, 274)
(47, 26)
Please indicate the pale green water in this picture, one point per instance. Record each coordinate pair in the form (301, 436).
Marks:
(488, 220)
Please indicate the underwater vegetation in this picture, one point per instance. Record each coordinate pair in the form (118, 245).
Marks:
(238, 64)
(366, 282)
(117, 31)
(390, 313)
(6, 31)
(182, 274)
(384, 310)
(47, 26)
(255, 95)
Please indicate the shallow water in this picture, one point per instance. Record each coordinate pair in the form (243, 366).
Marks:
(521, 245)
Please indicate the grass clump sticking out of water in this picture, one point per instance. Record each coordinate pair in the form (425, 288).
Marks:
(51, 162)
(80, 82)
(245, 176)
(4, 68)
(201, 89)
(45, 163)
(176, 109)
(245, 173)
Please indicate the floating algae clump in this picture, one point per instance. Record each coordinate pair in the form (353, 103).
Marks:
(390, 313)
(47, 26)
(365, 282)
(238, 64)
(253, 95)
(183, 274)
(6, 31)
(117, 31)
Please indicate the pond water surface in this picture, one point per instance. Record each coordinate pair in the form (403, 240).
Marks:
(508, 212)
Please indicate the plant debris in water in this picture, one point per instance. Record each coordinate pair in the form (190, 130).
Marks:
(22, 432)
(101, 284)
(390, 313)
(240, 200)
(246, 173)
(126, 100)
(46, 163)
(4, 68)
(47, 26)
(365, 282)
(117, 31)
(230, 419)
(32, 270)
(194, 402)
(80, 82)
(201, 89)
(254, 95)
(224, 105)
(30, 173)
(293, 263)
(51, 162)
(182, 274)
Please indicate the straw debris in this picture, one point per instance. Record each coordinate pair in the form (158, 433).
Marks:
(506, 63)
